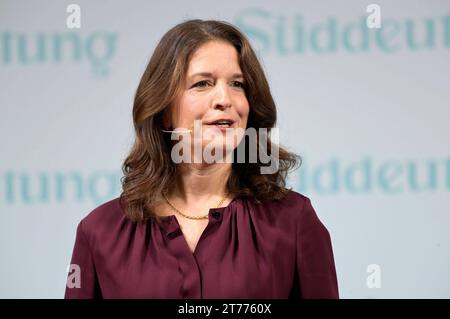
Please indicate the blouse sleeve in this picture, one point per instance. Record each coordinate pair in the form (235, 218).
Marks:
(315, 261)
(82, 280)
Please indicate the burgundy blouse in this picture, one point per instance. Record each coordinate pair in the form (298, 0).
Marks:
(248, 250)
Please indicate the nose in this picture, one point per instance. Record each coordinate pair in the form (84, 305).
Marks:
(222, 98)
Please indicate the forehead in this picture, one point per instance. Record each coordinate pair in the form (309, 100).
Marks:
(214, 56)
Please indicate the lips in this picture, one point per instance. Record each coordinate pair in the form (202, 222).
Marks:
(221, 122)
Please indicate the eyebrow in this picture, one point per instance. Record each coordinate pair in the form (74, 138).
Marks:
(209, 74)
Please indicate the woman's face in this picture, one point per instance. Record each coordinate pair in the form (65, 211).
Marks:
(213, 91)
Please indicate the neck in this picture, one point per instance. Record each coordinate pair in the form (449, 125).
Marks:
(196, 182)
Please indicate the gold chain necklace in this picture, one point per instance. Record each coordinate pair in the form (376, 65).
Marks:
(193, 217)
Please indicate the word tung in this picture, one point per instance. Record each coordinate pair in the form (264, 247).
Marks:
(98, 48)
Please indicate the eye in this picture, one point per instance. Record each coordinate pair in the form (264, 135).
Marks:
(238, 84)
(201, 84)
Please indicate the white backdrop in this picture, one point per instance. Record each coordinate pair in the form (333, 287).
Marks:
(368, 109)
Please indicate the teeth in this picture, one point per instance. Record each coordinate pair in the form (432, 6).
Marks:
(223, 123)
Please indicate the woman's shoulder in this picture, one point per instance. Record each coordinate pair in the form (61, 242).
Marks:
(104, 216)
(292, 200)
(294, 206)
(296, 197)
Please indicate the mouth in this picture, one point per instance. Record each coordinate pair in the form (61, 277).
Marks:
(221, 123)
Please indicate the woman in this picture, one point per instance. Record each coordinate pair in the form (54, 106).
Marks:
(196, 228)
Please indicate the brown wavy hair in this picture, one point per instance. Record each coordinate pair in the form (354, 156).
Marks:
(148, 169)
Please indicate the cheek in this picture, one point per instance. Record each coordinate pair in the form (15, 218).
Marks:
(189, 110)
(244, 110)
(197, 105)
